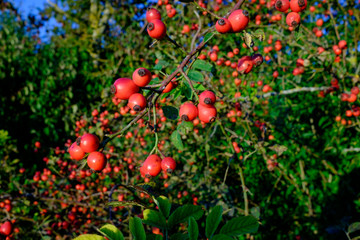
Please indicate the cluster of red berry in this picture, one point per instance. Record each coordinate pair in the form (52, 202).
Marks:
(205, 110)
(153, 164)
(236, 22)
(246, 63)
(293, 18)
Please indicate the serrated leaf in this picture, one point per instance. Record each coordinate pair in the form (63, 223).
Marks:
(170, 112)
(164, 205)
(240, 225)
(202, 65)
(89, 237)
(221, 237)
(213, 220)
(193, 229)
(123, 203)
(259, 34)
(354, 227)
(183, 213)
(195, 76)
(161, 64)
(176, 140)
(154, 218)
(112, 232)
(137, 229)
(209, 36)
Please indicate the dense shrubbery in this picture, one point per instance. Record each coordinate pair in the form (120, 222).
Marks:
(283, 149)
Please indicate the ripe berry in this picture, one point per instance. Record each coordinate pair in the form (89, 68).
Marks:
(156, 29)
(123, 88)
(6, 228)
(223, 25)
(207, 114)
(171, 85)
(245, 64)
(141, 77)
(257, 59)
(298, 5)
(207, 98)
(342, 44)
(137, 102)
(282, 5)
(168, 164)
(152, 14)
(151, 166)
(293, 19)
(96, 161)
(88, 142)
(76, 152)
(188, 111)
(239, 20)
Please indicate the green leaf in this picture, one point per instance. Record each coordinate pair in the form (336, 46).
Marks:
(171, 112)
(195, 76)
(176, 140)
(209, 36)
(193, 229)
(185, 127)
(354, 227)
(89, 237)
(161, 64)
(154, 218)
(186, 90)
(213, 220)
(259, 34)
(199, 86)
(154, 237)
(112, 232)
(179, 236)
(221, 237)
(240, 225)
(255, 211)
(202, 65)
(137, 229)
(183, 213)
(164, 205)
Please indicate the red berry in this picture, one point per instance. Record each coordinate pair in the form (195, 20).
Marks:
(188, 111)
(223, 25)
(88, 142)
(282, 5)
(6, 228)
(76, 152)
(245, 64)
(257, 59)
(342, 44)
(207, 98)
(239, 20)
(151, 166)
(169, 87)
(38, 144)
(96, 161)
(123, 88)
(141, 77)
(298, 5)
(207, 114)
(156, 29)
(293, 19)
(152, 14)
(168, 164)
(137, 102)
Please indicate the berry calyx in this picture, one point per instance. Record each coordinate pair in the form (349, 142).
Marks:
(141, 77)
(298, 5)
(123, 88)
(88, 142)
(207, 114)
(76, 152)
(137, 102)
(188, 111)
(96, 161)
(223, 25)
(168, 164)
(207, 98)
(156, 29)
(282, 5)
